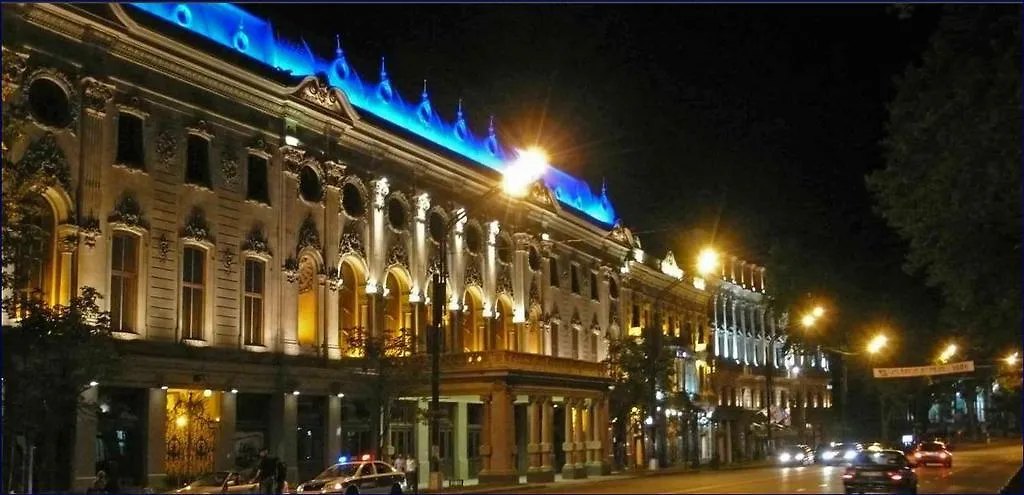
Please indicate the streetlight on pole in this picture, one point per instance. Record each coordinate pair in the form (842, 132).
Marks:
(517, 179)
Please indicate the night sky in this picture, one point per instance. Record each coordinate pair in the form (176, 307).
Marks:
(760, 119)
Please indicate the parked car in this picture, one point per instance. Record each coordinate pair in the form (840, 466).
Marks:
(225, 482)
(931, 453)
(353, 478)
(883, 471)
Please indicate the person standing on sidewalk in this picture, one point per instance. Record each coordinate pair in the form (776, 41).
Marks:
(399, 463)
(412, 475)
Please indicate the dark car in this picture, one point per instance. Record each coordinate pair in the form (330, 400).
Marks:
(883, 471)
(353, 478)
(839, 453)
(931, 453)
(1014, 485)
(795, 455)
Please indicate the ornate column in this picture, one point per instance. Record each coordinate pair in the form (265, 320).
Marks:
(547, 446)
(67, 244)
(287, 340)
(579, 437)
(533, 427)
(569, 446)
(333, 171)
(93, 261)
(594, 432)
(502, 433)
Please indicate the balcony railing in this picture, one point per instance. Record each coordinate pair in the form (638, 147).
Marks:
(496, 361)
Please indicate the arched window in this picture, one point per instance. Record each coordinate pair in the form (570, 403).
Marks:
(397, 315)
(352, 309)
(472, 323)
(505, 337)
(34, 275)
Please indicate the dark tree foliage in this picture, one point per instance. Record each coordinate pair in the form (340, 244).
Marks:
(952, 183)
(50, 357)
(396, 371)
(636, 365)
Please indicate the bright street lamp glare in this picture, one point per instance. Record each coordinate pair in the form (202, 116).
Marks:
(948, 353)
(876, 344)
(707, 261)
(807, 320)
(818, 311)
(528, 167)
(1012, 359)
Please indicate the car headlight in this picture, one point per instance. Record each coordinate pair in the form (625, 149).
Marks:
(299, 489)
(784, 458)
(828, 455)
(849, 455)
(799, 456)
(337, 485)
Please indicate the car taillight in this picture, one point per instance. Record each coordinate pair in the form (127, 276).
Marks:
(848, 473)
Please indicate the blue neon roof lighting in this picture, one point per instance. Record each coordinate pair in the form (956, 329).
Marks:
(236, 29)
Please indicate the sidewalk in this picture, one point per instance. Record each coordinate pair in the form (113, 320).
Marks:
(472, 487)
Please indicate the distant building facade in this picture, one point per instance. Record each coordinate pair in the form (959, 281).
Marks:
(758, 382)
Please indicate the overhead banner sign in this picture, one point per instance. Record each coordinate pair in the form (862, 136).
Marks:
(937, 369)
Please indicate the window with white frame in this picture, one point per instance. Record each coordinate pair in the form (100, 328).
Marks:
(193, 285)
(252, 306)
(124, 276)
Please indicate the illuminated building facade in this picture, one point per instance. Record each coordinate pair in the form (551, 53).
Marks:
(246, 209)
(749, 343)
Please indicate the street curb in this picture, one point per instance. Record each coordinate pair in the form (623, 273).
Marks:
(615, 477)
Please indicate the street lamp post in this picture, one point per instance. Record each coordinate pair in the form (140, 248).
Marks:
(517, 178)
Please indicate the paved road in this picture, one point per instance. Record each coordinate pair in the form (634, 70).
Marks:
(974, 471)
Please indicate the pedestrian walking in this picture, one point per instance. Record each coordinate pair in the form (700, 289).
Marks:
(266, 474)
(99, 485)
(412, 477)
(282, 475)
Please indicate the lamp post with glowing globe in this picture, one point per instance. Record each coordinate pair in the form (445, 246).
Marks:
(518, 178)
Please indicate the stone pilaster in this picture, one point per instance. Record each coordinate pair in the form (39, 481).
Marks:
(156, 437)
(225, 457)
(84, 462)
(332, 431)
(283, 422)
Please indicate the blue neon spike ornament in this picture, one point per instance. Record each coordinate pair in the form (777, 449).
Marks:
(231, 26)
